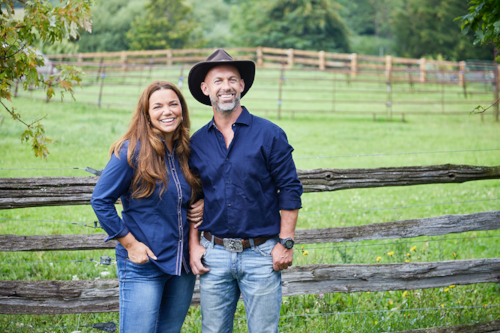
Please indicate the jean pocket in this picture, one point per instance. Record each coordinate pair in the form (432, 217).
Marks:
(266, 248)
(138, 264)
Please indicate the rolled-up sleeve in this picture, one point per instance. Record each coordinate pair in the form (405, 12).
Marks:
(113, 183)
(284, 173)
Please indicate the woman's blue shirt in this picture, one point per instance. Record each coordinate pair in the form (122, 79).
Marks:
(157, 221)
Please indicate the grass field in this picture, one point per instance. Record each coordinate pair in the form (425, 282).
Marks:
(82, 135)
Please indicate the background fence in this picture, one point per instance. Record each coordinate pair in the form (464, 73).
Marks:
(91, 296)
(296, 81)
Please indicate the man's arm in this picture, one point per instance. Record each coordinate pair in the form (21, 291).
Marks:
(283, 257)
(196, 251)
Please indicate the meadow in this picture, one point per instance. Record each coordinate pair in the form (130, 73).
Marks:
(83, 133)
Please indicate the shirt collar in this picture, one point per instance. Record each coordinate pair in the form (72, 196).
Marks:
(244, 119)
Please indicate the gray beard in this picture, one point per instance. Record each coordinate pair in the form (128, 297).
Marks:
(224, 107)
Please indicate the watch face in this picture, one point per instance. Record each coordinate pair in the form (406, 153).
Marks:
(289, 244)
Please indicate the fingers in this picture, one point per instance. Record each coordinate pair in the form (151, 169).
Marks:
(150, 253)
(199, 203)
(282, 258)
(198, 224)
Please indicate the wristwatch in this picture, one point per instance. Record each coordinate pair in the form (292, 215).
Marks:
(287, 242)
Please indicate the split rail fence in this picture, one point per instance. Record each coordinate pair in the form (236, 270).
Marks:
(298, 81)
(94, 296)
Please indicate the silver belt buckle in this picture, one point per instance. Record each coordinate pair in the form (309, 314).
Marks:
(233, 244)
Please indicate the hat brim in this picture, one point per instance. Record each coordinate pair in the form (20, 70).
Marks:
(199, 72)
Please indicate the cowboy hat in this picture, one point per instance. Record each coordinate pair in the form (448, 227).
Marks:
(199, 71)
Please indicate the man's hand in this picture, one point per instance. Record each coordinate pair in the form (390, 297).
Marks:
(196, 252)
(195, 213)
(282, 257)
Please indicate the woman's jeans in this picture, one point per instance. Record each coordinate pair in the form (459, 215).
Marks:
(150, 300)
(249, 273)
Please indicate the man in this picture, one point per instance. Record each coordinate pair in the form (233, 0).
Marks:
(248, 176)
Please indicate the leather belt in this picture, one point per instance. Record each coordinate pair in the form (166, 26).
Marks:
(235, 244)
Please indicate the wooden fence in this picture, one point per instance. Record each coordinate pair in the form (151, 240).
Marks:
(356, 67)
(92, 296)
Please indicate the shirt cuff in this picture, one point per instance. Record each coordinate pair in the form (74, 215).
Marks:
(289, 201)
(122, 233)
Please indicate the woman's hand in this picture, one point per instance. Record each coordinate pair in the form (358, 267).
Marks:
(195, 214)
(138, 252)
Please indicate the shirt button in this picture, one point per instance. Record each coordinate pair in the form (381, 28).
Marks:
(228, 182)
(234, 125)
(229, 205)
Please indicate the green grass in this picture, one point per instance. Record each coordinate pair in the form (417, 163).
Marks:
(83, 133)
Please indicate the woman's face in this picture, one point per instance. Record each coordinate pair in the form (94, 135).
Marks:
(165, 111)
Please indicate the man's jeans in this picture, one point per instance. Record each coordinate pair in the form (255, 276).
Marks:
(150, 300)
(250, 273)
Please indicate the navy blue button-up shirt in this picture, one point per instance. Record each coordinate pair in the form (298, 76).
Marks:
(246, 185)
(158, 222)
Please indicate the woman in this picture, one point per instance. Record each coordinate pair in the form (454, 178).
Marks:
(149, 171)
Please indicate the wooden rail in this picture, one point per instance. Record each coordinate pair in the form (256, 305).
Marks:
(431, 226)
(93, 296)
(60, 191)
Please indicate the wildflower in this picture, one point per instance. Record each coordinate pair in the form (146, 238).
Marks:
(452, 286)
(391, 302)
(302, 247)
(418, 257)
(409, 255)
(376, 322)
(442, 305)
(378, 259)
(446, 290)
(75, 278)
(307, 310)
(458, 301)
(321, 295)
(423, 250)
(413, 248)
(454, 255)
(103, 274)
(407, 260)
(367, 292)
(405, 293)
(305, 253)
(485, 304)
(390, 253)
(458, 314)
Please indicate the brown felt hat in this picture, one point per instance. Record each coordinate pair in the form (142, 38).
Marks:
(199, 71)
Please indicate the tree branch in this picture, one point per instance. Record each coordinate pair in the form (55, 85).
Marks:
(15, 116)
(484, 110)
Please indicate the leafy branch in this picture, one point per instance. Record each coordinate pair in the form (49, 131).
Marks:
(479, 109)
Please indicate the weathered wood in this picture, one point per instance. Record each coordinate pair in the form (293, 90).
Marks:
(431, 226)
(487, 327)
(92, 296)
(318, 180)
(61, 191)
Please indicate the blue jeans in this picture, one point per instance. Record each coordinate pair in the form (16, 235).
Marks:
(151, 300)
(250, 273)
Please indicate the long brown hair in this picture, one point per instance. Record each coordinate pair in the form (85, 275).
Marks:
(150, 165)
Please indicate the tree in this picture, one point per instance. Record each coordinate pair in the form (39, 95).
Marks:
(300, 24)
(427, 28)
(19, 61)
(484, 19)
(111, 20)
(165, 24)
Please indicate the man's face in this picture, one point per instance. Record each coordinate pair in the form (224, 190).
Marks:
(223, 85)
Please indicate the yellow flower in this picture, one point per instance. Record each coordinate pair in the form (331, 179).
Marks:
(390, 253)
(485, 304)
(407, 260)
(405, 293)
(409, 255)
(305, 253)
(418, 257)
(302, 247)
(458, 301)
(442, 305)
(452, 286)
(391, 302)
(413, 248)
(378, 259)
(376, 322)
(367, 292)
(423, 250)
(446, 290)
(454, 255)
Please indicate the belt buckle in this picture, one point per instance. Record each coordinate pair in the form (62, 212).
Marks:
(233, 244)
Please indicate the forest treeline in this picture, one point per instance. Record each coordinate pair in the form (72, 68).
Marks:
(406, 28)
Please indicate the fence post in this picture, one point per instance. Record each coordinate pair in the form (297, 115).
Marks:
(289, 54)
(422, 70)
(103, 75)
(80, 59)
(124, 61)
(388, 67)
(17, 86)
(259, 56)
(461, 73)
(497, 82)
(280, 90)
(354, 64)
(169, 57)
(321, 56)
